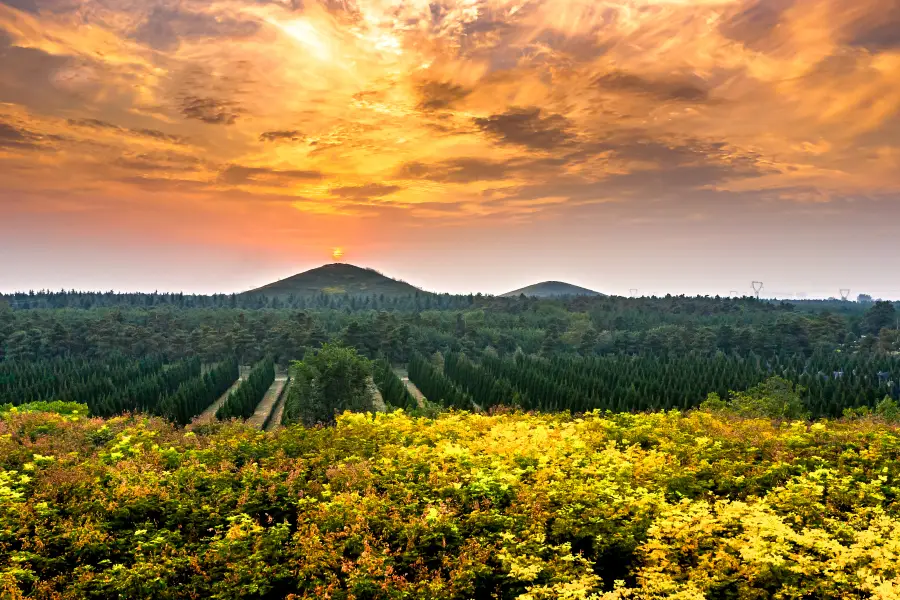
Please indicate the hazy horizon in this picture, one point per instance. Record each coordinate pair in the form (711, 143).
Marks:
(461, 145)
(256, 278)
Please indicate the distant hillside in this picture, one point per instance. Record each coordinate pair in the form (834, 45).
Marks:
(552, 289)
(337, 278)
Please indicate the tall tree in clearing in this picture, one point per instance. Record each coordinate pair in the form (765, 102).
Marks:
(326, 383)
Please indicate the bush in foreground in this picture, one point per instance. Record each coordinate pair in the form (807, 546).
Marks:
(663, 505)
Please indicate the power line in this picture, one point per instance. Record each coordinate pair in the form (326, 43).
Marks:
(757, 287)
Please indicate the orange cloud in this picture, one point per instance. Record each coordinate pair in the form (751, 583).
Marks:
(494, 107)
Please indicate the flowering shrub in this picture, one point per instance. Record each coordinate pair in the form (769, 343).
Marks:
(661, 505)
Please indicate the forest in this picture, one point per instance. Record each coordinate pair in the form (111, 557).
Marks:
(131, 352)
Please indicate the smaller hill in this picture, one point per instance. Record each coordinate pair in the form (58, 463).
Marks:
(337, 278)
(551, 289)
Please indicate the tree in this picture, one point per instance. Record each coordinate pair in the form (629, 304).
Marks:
(881, 315)
(888, 410)
(552, 342)
(775, 398)
(588, 342)
(328, 382)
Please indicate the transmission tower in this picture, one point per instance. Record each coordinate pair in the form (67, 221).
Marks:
(757, 287)
(733, 293)
(845, 294)
(633, 292)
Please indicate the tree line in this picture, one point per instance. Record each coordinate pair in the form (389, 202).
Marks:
(393, 391)
(242, 402)
(436, 386)
(143, 394)
(601, 327)
(828, 383)
(70, 379)
(196, 394)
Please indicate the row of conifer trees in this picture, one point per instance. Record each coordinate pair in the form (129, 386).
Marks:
(484, 388)
(243, 401)
(435, 385)
(393, 391)
(828, 383)
(196, 394)
(143, 394)
(70, 379)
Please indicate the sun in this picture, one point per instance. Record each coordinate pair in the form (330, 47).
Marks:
(337, 253)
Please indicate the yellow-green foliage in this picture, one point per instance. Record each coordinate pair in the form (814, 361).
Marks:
(702, 505)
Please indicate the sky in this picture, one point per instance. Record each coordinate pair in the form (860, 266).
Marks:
(667, 146)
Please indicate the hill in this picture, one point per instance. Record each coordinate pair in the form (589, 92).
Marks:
(337, 278)
(552, 289)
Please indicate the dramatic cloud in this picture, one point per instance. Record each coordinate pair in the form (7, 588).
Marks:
(164, 28)
(13, 137)
(527, 127)
(281, 136)
(150, 133)
(209, 110)
(332, 111)
(458, 170)
(436, 95)
(656, 88)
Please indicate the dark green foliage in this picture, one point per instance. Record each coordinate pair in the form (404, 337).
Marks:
(880, 316)
(436, 386)
(640, 353)
(243, 401)
(393, 392)
(144, 394)
(194, 395)
(325, 383)
(829, 382)
(486, 390)
(69, 379)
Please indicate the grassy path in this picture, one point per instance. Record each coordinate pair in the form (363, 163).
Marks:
(275, 421)
(264, 408)
(210, 413)
(377, 400)
(410, 386)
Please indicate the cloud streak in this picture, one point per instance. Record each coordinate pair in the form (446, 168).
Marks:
(453, 107)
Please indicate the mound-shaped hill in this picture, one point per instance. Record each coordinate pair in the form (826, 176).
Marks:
(551, 289)
(337, 278)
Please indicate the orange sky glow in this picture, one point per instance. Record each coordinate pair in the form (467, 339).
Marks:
(463, 145)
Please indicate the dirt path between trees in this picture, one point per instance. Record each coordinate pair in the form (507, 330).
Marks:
(275, 422)
(404, 377)
(265, 406)
(377, 400)
(210, 413)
